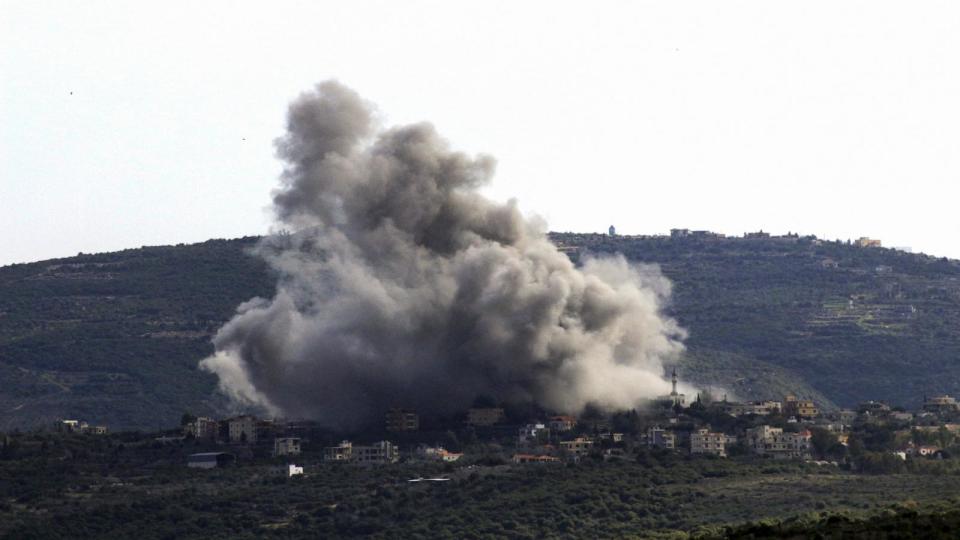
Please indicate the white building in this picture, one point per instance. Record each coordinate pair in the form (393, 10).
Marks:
(532, 434)
(437, 453)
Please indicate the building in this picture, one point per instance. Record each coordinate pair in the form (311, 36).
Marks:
(767, 440)
(873, 408)
(340, 453)
(290, 470)
(203, 428)
(612, 230)
(679, 233)
(800, 408)
(760, 408)
(286, 446)
(940, 404)
(378, 453)
(437, 453)
(534, 458)
(703, 441)
(484, 416)
(533, 434)
(863, 242)
(242, 429)
(209, 460)
(561, 424)
(576, 448)
(402, 420)
(658, 437)
(674, 398)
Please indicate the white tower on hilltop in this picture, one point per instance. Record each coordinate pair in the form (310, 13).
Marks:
(613, 230)
(674, 398)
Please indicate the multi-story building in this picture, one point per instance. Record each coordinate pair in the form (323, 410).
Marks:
(940, 404)
(242, 429)
(560, 424)
(532, 434)
(484, 416)
(576, 448)
(343, 452)
(703, 441)
(377, 453)
(658, 437)
(534, 458)
(767, 440)
(203, 428)
(402, 420)
(800, 408)
(286, 446)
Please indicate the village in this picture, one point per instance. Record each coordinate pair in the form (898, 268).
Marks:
(790, 428)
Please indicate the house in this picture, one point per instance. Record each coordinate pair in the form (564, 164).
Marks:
(534, 458)
(940, 404)
(703, 441)
(829, 264)
(340, 453)
(610, 436)
(438, 453)
(561, 424)
(203, 428)
(576, 448)
(873, 408)
(922, 450)
(242, 429)
(863, 242)
(532, 434)
(484, 416)
(209, 460)
(800, 408)
(289, 470)
(658, 437)
(767, 440)
(286, 446)
(402, 420)
(378, 453)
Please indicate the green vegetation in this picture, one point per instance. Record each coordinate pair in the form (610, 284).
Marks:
(115, 338)
(126, 485)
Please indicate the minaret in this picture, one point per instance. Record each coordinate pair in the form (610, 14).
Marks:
(674, 380)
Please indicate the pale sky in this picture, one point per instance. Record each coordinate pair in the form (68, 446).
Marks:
(125, 124)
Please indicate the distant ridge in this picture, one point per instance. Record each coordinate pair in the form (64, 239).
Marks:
(114, 338)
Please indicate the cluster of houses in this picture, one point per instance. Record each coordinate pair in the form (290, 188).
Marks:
(78, 426)
(669, 424)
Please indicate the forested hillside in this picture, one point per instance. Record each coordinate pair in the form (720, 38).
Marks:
(115, 338)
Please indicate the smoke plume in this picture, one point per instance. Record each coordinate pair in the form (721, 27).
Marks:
(401, 285)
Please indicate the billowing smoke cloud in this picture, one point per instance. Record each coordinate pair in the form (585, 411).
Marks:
(402, 285)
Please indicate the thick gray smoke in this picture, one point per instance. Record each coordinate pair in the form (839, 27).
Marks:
(402, 285)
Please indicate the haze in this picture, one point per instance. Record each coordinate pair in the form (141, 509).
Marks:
(129, 124)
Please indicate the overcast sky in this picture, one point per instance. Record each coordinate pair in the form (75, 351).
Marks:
(125, 124)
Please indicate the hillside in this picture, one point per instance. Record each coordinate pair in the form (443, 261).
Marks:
(115, 338)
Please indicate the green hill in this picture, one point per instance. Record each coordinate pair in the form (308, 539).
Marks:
(115, 338)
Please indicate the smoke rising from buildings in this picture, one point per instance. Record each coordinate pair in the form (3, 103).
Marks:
(401, 285)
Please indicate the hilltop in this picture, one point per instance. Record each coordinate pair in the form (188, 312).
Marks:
(115, 338)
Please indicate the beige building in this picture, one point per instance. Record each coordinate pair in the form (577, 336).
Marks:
(578, 447)
(204, 428)
(378, 453)
(801, 408)
(242, 429)
(343, 452)
(703, 441)
(286, 446)
(767, 440)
